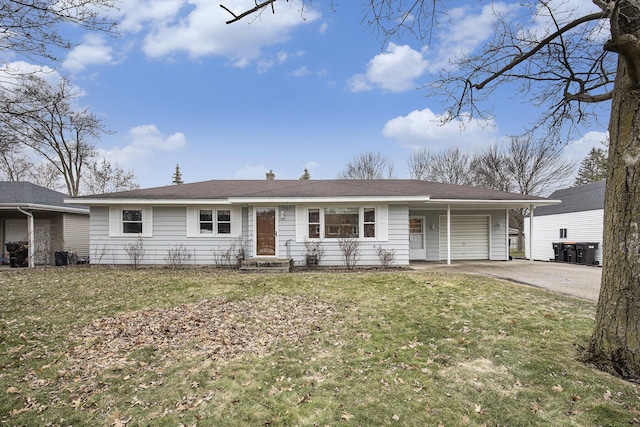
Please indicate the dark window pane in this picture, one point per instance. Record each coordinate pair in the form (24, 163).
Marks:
(314, 216)
(314, 231)
(369, 230)
(131, 215)
(341, 222)
(206, 227)
(369, 215)
(224, 228)
(224, 215)
(132, 227)
(206, 215)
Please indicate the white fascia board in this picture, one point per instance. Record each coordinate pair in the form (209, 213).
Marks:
(519, 203)
(148, 202)
(317, 200)
(37, 207)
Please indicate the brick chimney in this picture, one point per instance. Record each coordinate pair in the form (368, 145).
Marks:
(270, 175)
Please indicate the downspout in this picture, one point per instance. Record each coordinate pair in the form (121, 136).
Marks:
(30, 229)
(531, 234)
(448, 234)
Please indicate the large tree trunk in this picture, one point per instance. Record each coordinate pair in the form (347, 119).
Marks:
(615, 343)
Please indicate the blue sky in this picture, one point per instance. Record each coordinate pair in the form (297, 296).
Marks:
(281, 91)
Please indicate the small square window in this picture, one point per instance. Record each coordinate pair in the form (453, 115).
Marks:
(132, 221)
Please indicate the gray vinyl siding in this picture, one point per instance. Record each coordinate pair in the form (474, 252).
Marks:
(585, 226)
(76, 234)
(169, 233)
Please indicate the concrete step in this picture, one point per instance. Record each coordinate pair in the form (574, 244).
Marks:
(266, 265)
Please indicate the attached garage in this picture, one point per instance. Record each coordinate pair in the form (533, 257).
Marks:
(469, 237)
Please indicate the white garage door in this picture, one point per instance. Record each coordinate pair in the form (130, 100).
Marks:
(469, 237)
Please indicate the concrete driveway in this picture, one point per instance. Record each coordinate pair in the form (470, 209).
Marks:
(570, 279)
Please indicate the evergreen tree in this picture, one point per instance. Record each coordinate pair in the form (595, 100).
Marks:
(593, 167)
(306, 175)
(177, 176)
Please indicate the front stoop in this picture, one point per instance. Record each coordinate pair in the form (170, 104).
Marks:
(266, 265)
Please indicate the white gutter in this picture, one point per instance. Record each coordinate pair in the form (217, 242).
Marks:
(541, 202)
(49, 208)
(150, 202)
(30, 229)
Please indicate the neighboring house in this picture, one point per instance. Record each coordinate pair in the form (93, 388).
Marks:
(578, 218)
(38, 215)
(418, 220)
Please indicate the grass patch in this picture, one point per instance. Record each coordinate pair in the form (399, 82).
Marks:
(203, 347)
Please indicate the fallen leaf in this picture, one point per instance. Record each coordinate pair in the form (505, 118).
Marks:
(535, 407)
(13, 390)
(478, 409)
(395, 417)
(557, 388)
(346, 416)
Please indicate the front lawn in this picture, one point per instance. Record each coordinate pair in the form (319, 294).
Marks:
(110, 347)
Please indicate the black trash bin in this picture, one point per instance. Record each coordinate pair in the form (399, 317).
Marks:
(572, 254)
(586, 253)
(62, 258)
(559, 255)
(18, 254)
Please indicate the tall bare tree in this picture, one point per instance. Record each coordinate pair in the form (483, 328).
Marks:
(31, 28)
(451, 166)
(368, 165)
(102, 177)
(42, 116)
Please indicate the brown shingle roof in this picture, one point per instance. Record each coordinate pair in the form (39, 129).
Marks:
(278, 189)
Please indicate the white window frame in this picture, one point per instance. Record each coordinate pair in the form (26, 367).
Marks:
(116, 222)
(361, 223)
(235, 221)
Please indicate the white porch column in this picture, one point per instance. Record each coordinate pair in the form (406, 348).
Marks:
(531, 234)
(31, 236)
(448, 234)
(506, 220)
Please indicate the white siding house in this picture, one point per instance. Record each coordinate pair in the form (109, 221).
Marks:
(416, 220)
(578, 218)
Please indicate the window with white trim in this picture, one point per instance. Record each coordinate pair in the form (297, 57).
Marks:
(563, 233)
(206, 221)
(314, 223)
(341, 222)
(132, 221)
(224, 221)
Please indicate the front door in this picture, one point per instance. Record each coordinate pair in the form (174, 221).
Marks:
(416, 239)
(265, 232)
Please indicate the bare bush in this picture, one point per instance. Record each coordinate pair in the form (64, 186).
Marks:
(228, 257)
(177, 256)
(135, 252)
(98, 253)
(387, 257)
(314, 252)
(350, 248)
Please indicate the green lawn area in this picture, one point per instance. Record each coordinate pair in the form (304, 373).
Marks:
(111, 347)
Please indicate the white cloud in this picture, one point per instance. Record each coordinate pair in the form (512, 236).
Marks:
(93, 50)
(301, 72)
(394, 70)
(578, 149)
(251, 172)
(11, 70)
(135, 15)
(426, 129)
(146, 141)
(199, 30)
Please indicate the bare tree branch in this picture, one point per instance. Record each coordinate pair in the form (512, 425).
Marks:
(258, 7)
